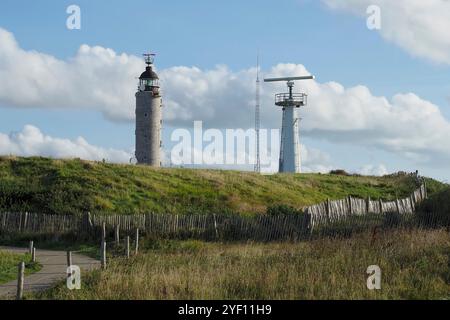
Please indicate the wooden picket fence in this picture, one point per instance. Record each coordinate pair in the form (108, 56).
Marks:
(327, 218)
(333, 211)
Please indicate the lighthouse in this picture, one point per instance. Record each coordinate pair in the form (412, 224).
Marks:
(290, 160)
(148, 116)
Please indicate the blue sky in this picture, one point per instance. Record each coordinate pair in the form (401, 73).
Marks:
(333, 44)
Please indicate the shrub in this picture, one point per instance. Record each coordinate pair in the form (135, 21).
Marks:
(281, 209)
(435, 211)
(340, 172)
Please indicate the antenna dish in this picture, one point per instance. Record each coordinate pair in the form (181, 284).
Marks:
(289, 78)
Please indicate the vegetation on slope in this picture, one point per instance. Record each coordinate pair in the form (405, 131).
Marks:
(414, 265)
(439, 205)
(71, 186)
(9, 262)
(438, 202)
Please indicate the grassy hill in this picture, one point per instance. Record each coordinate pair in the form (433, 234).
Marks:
(70, 186)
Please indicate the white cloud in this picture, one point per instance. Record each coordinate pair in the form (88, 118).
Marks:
(219, 97)
(373, 170)
(99, 79)
(32, 142)
(418, 26)
(315, 160)
(96, 78)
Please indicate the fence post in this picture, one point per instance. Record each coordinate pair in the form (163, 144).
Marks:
(127, 247)
(87, 223)
(137, 242)
(69, 258)
(20, 281)
(31, 245)
(117, 235)
(381, 205)
(104, 231)
(413, 206)
(397, 205)
(425, 189)
(308, 222)
(103, 255)
(422, 193)
(20, 222)
(368, 205)
(215, 226)
(33, 255)
(25, 221)
(350, 204)
(328, 208)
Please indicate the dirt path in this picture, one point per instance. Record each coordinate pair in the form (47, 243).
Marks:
(54, 266)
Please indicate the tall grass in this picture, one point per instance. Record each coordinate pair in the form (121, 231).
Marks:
(414, 264)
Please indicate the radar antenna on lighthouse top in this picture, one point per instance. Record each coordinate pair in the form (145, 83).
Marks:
(149, 58)
(290, 99)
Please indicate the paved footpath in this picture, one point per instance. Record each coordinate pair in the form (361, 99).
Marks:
(54, 268)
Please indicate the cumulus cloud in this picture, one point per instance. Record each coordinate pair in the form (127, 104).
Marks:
(32, 142)
(99, 79)
(315, 160)
(373, 170)
(219, 97)
(419, 27)
(95, 78)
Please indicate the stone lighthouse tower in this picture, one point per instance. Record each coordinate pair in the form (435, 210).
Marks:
(148, 117)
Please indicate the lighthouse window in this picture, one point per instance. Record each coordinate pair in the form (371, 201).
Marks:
(150, 83)
(145, 114)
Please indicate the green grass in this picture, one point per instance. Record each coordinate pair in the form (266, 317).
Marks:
(49, 242)
(414, 265)
(73, 186)
(9, 265)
